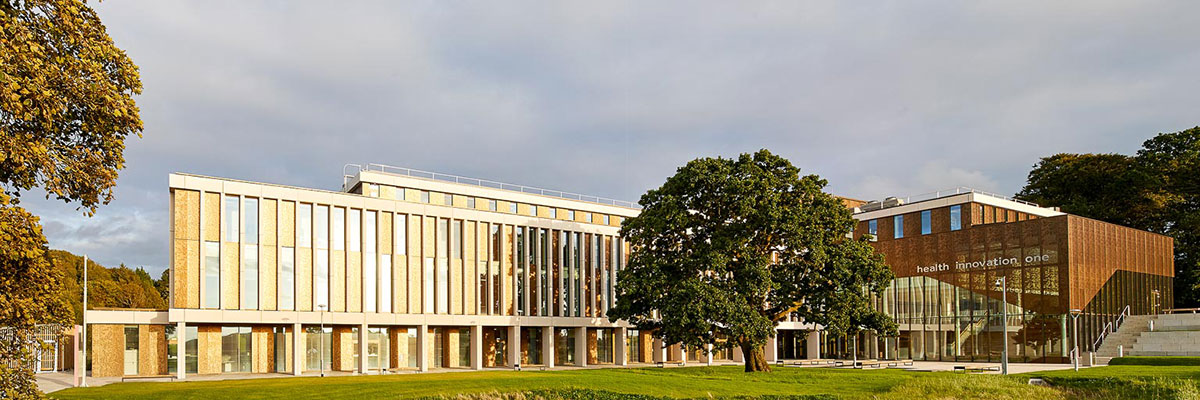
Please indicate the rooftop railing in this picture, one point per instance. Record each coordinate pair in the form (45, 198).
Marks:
(961, 190)
(463, 180)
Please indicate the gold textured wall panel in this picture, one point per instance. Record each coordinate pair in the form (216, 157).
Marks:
(581, 216)
(287, 223)
(230, 263)
(267, 229)
(337, 280)
(388, 192)
(186, 262)
(482, 204)
(267, 272)
(212, 217)
(502, 206)
(385, 233)
(108, 350)
(414, 264)
(152, 350)
(343, 349)
(262, 350)
(591, 347)
(412, 195)
(208, 345)
(428, 245)
(399, 284)
(304, 282)
(456, 286)
(354, 282)
(460, 201)
(523, 209)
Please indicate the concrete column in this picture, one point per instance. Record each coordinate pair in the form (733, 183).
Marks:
(771, 350)
(581, 348)
(423, 348)
(477, 347)
(362, 349)
(297, 349)
(514, 345)
(708, 357)
(180, 350)
(548, 346)
(814, 345)
(622, 356)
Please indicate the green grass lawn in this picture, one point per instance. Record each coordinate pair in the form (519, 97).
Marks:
(691, 382)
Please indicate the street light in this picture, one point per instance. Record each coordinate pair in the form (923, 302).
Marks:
(1002, 284)
(1075, 327)
(322, 336)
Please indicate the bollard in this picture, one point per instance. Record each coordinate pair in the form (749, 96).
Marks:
(1121, 351)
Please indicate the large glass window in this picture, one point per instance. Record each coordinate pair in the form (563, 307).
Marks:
(494, 268)
(520, 264)
(321, 281)
(235, 349)
(318, 348)
(231, 218)
(377, 348)
(605, 346)
(131, 350)
(873, 229)
(898, 226)
(212, 274)
(427, 286)
(401, 238)
(250, 277)
(456, 240)
(385, 284)
(304, 225)
(354, 229)
(564, 346)
(926, 222)
(443, 266)
(339, 228)
(955, 218)
(491, 205)
(191, 362)
(287, 278)
(406, 348)
(251, 220)
(322, 227)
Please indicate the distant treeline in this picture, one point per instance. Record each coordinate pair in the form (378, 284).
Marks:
(108, 287)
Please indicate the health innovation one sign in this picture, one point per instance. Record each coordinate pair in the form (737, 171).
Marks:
(962, 266)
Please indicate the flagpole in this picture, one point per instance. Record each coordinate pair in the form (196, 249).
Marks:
(83, 365)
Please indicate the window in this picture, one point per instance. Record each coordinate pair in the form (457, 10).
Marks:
(372, 190)
(231, 218)
(385, 284)
(898, 226)
(512, 208)
(235, 349)
(322, 227)
(287, 278)
(588, 217)
(447, 199)
(321, 280)
(339, 228)
(571, 215)
(251, 220)
(401, 237)
(370, 272)
(606, 219)
(532, 209)
(519, 262)
(926, 222)
(553, 212)
(427, 286)
(491, 205)
(425, 196)
(249, 277)
(873, 229)
(470, 202)
(955, 218)
(355, 229)
(304, 225)
(212, 274)
(443, 267)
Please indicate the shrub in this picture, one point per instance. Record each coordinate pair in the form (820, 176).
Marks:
(1156, 361)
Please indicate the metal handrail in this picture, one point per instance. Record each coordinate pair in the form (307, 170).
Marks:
(961, 190)
(416, 173)
(1110, 327)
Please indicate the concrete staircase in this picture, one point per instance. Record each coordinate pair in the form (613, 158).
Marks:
(1172, 335)
(1125, 336)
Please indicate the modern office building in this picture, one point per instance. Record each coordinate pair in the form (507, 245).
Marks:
(949, 249)
(410, 270)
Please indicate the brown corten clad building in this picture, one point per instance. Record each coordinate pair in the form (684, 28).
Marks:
(949, 249)
(411, 270)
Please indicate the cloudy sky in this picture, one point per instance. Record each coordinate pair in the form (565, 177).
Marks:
(608, 98)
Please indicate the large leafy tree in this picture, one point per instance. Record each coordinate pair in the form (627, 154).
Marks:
(66, 107)
(1158, 190)
(727, 248)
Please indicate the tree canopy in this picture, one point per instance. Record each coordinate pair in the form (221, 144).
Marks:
(66, 107)
(727, 248)
(1158, 190)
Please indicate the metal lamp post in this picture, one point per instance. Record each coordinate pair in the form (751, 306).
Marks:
(322, 336)
(1002, 284)
(1075, 327)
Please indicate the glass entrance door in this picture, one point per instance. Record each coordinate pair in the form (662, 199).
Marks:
(131, 350)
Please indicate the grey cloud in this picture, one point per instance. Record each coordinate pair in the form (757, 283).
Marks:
(608, 98)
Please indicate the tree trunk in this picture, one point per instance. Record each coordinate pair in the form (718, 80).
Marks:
(756, 361)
